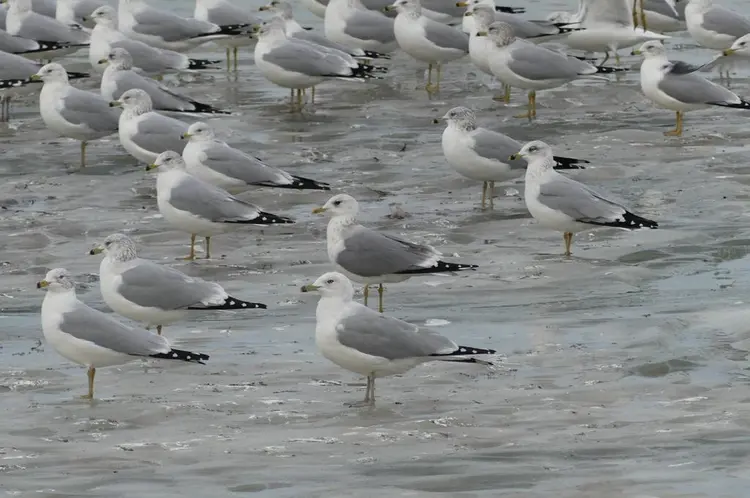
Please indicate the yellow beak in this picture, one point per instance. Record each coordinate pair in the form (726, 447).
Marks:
(481, 33)
(515, 156)
(96, 250)
(729, 51)
(42, 284)
(310, 288)
(264, 8)
(35, 77)
(115, 103)
(462, 4)
(636, 52)
(103, 61)
(151, 166)
(186, 135)
(388, 8)
(468, 14)
(319, 210)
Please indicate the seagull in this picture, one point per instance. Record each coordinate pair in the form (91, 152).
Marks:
(155, 294)
(77, 11)
(557, 202)
(349, 23)
(222, 13)
(94, 339)
(362, 341)
(219, 164)
(199, 208)
(372, 257)
(24, 22)
(677, 86)
(481, 154)
(71, 112)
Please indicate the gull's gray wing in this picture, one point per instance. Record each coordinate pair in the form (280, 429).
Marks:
(170, 27)
(367, 25)
(38, 27)
(662, 7)
(90, 325)
(375, 5)
(16, 67)
(155, 286)
(692, 88)
(444, 36)
(447, 7)
(721, 20)
(162, 98)
(305, 58)
(148, 58)
(318, 39)
(576, 200)
(527, 29)
(377, 335)
(209, 202)
(537, 63)
(493, 145)
(234, 163)
(15, 45)
(225, 13)
(85, 108)
(45, 7)
(157, 133)
(368, 253)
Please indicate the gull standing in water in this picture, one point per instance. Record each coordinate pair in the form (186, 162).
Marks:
(199, 208)
(557, 202)
(349, 23)
(222, 13)
(93, 339)
(363, 341)
(482, 154)
(24, 22)
(374, 258)
(154, 294)
(426, 39)
(522, 64)
(677, 86)
(71, 112)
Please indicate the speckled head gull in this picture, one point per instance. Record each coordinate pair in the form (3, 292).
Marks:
(363, 341)
(93, 339)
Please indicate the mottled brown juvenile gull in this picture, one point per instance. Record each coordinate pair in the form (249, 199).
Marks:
(199, 208)
(153, 294)
(360, 340)
(557, 202)
(373, 258)
(93, 339)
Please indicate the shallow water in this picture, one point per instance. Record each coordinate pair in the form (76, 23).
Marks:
(622, 370)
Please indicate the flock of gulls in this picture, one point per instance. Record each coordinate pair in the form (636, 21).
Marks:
(133, 46)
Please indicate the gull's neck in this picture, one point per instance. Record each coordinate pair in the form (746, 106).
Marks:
(465, 125)
(412, 13)
(59, 298)
(539, 168)
(328, 312)
(135, 111)
(123, 254)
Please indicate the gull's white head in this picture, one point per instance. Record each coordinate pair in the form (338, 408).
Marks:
(19, 6)
(284, 9)
(167, 161)
(461, 117)
(536, 153)
(105, 15)
(119, 58)
(483, 16)
(117, 246)
(339, 205)
(701, 5)
(274, 27)
(135, 100)
(57, 280)
(500, 33)
(199, 132)
(741, 45)
(332, 284)
(651, 49)
(51, 73)
(405, 6)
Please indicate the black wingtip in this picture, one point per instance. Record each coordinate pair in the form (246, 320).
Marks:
(264, 218)
(376, 55)
(206, 109)
(232, 29)
(202, 64)
(14, 83)
(564, 31)
(742, 105)
(73, 75)
(182, 355)
(609, 70)
(569, 163)
(630, 221)
(509, 10)
(440, 267)
(301, 183)
(233, 303)
(466, 351)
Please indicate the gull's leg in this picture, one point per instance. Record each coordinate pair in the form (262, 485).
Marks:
(229, 61)
(635, 13)
(158, 329)
(91, 373)
(484, 193)
(491, 188)
(83, 154)
(506, 96)
(236, 57)
(381, 291)
(312, 98)
(643, 17)
(367, 389)
(428, 87)
(191, 256)
(617, 57)
(372, 390)
(366, 292)
(532, 97)
(527, 114)
(678, 127)
(439, 69)
(568, 238)
(208, 248)
(291, 96)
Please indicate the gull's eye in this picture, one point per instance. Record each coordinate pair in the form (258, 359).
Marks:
(533, 149)
(336, 203)
(329, 281)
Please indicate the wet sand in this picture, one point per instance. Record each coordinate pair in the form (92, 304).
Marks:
(622, 371)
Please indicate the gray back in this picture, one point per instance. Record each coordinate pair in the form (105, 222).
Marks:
(445, 36)
(692, 88)
(578, 201)
(302, 57)
(157, 133)
(492, 145)
(725, 21)
(81, 107)
(209, 202)
(366, 25)
(537, 63)
(168, 26)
